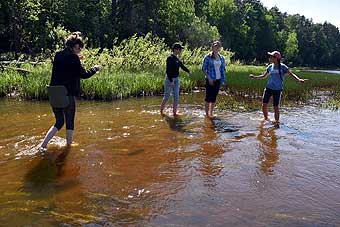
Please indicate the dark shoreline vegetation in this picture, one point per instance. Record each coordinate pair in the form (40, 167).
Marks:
(136, 67)
(246, 27)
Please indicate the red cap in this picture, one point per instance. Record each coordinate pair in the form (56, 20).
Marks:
(275, 54)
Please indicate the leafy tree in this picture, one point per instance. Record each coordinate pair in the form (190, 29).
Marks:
(292, 47)
(245, 27)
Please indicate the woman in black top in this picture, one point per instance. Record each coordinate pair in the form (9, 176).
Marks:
(67, 71)
(171, 81)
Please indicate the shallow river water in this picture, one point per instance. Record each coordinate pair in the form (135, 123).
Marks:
(134, 167)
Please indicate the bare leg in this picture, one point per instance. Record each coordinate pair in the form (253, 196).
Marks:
(277, 114)
(163, 104)
(265, 111)
(211, 111)
(207, 109)
(174, 109)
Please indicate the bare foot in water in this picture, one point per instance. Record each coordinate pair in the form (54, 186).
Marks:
(211, 116)
(73, 144)
(42, 150)
(177, 114)
(276, 123)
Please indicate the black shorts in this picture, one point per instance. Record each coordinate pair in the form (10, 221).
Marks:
(269, 93)
(212, 90)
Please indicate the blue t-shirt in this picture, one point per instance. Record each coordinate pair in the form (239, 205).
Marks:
(275, 81)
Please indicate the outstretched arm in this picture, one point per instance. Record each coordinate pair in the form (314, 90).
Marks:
(184, 68)
(81, 71)
(263, 76)
(290, 73)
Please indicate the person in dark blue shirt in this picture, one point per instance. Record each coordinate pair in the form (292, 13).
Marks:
(172, 83)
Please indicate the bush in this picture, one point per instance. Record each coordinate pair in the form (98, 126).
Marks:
(144, 53)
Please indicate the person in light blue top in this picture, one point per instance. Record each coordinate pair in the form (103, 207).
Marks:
(276, 78)
(276, 72)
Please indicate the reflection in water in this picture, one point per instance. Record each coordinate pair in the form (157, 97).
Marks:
(211, 164)
(268, 146)
(134, 168)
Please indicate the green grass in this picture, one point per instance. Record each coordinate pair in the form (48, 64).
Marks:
(112, 84)
(240, 84)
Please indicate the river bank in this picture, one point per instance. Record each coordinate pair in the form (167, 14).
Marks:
(111, 85)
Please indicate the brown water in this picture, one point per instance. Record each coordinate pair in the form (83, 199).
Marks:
(135, 168)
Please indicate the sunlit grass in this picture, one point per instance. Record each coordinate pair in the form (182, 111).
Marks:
(111, 84)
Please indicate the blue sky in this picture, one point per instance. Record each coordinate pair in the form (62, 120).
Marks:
(319, 10)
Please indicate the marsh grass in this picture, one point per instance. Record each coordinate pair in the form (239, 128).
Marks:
(111, 84)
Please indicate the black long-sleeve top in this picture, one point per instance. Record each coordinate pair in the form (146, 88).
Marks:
(172, 67)
(67, 71)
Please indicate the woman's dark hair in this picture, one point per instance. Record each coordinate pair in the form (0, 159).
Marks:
(279, 63)
(74, 39)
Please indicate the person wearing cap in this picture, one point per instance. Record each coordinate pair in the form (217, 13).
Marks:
(276, 72)
(172, 83)
(67, 71)
(213, 67)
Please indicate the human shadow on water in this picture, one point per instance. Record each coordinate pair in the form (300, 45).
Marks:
(42, 179)
(176, 123)
(221, 126)
(269, 155)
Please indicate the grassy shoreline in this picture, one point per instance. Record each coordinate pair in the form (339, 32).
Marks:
(111, 85)
(136, 67)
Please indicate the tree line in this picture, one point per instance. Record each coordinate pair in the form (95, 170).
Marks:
(245, 27)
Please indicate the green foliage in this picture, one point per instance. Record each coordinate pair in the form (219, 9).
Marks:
(245, 27)
(292, 47)
(179, 22)
(110, 84)
(33, 85)
(133, 67)
(57, 37)
(143, 53)
(10, 81)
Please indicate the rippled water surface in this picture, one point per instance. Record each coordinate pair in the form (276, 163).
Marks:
(134, 167)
